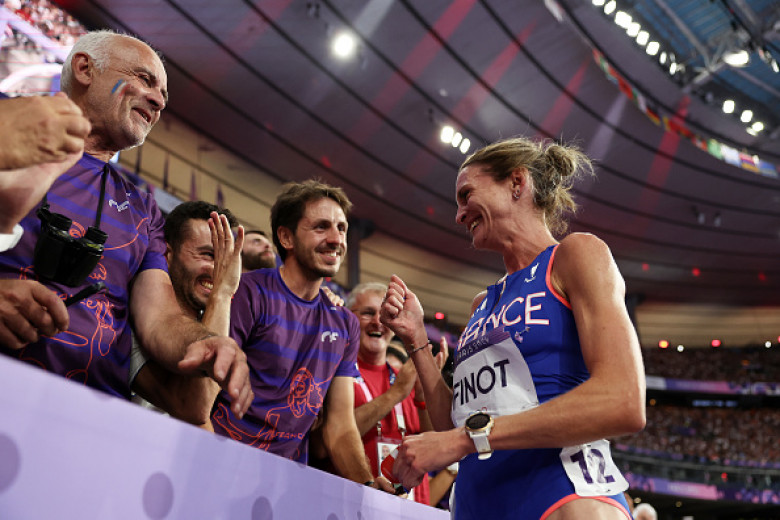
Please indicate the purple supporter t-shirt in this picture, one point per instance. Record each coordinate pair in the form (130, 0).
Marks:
(294, 348)
(95, 350)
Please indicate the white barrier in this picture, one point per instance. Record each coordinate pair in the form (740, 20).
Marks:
(69, 452)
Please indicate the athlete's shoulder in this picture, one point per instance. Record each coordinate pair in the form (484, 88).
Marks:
(577, 247)
(478, 299)
(581, 258)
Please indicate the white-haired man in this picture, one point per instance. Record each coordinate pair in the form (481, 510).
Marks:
(645, 511)
(120, 85)
(386, 407)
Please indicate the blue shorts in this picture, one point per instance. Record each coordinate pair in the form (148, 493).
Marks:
(516, 485)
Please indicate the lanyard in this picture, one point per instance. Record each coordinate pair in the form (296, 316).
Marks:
(397, 409)
(99, 211)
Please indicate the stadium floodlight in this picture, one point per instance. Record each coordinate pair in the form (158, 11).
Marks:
(344, 45)
(653, 48)
(446, 134)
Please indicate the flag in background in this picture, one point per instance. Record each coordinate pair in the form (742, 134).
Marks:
(220, 196)
(193, 187)
(165, 181)
(747, 162)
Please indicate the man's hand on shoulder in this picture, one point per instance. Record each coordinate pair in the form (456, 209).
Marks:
(222, 359)
(28, 310)
(335, 299)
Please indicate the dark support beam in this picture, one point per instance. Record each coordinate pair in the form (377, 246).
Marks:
(359, 228)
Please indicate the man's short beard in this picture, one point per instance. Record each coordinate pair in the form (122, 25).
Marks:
(253, 262)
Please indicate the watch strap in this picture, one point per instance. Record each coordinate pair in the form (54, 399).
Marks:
(480, 440)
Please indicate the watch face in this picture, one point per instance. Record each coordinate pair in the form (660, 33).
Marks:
(477, 421)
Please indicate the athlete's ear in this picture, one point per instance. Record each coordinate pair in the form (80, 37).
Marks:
(168, 254)
(519, 177)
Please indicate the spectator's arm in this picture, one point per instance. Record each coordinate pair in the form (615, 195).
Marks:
(40, 129)
(181, 344)
(340, 433)
(369, 414)
(41, 138)
(190, 398)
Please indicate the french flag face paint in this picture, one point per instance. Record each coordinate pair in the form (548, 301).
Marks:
(119, 88)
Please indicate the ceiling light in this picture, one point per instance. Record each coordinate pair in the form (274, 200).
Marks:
(768, 344)
(680, 348)
(464, 146)
(774, 65)
(738, 58)
(633, 29)
(446, 134)
(757, 126)
(642, 38)
(653, 48)
(344, 45)
(610, 7)
(746, 116)
(456, 139)
(598, 3)
(701, 218)
(728, 106)
(662, 58)
(672, 68)
(622, 19)
(751, 131)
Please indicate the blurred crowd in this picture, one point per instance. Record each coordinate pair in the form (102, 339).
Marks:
(50, 20)
(736, 365)
(711, 435)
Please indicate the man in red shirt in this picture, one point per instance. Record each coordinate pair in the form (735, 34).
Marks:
(386, 405)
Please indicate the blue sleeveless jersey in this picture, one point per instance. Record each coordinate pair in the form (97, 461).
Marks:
(521, 349)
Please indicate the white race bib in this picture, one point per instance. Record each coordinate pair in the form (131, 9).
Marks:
(591, 469)
(491, 375)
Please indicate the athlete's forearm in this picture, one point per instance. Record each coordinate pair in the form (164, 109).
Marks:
(438, 396)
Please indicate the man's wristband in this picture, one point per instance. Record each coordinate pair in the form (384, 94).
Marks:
(9, 240)
(369, 483)
(420, 405)
(411, 349)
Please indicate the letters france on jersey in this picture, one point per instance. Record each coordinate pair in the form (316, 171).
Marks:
(521, 349)
(294, 349)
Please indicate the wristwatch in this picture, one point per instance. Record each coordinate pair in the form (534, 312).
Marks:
(478, 426)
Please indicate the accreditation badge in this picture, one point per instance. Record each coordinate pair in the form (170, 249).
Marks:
(385, 447)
